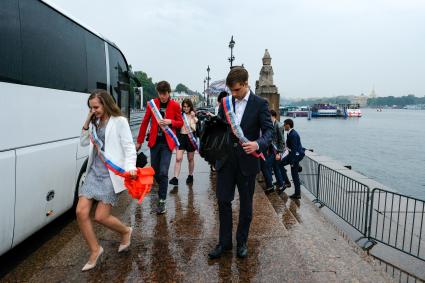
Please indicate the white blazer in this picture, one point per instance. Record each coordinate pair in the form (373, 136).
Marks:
(119, 148)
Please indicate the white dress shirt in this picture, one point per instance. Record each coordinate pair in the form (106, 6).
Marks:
(240, 106)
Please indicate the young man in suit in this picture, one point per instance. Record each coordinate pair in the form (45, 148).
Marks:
(295, 155)
(161, 144)
(242, 163)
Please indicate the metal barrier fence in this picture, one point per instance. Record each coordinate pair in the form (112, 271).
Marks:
(310, 175)
(379, 215)
(398, 221)
(345, 196)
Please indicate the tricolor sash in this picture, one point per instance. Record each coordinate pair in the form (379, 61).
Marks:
(138, 188)
(167, 130)
(192, 138)
(236, 129)
(98, 144)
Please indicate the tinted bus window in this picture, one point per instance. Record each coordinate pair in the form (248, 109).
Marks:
(120, 83)
(96, 62)
(53, 49)
(10, 45)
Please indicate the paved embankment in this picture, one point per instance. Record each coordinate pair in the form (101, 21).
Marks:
(289, 241)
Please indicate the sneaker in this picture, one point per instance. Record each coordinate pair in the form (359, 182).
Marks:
(161, 209)
(189, 179)
(174, 181)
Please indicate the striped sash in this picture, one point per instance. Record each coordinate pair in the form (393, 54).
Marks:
(167, 130)
(192, 138)
(236, 129)
(98, 144)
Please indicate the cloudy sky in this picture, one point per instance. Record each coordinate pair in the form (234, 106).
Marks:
(318, 47)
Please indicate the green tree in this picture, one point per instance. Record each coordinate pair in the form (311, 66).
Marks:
(182, 88)
(149, 90)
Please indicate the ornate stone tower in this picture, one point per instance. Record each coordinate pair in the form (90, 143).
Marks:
(264, 87)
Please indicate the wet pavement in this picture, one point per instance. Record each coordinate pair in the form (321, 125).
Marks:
(289, 241)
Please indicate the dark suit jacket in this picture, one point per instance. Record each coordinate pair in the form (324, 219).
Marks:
(257, 126)
(293, 142)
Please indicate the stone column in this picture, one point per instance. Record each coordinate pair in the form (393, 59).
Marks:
(264, 87)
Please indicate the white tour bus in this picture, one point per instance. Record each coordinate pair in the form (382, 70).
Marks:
(48, 64)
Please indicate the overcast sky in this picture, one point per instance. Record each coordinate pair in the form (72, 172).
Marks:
(318, 47)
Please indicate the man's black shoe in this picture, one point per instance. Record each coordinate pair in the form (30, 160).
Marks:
(189, 179)
(294, 196)
(288, 185)
(269, 190)
(242, 250)
(300, 169)
(174, 181)
(218, 251)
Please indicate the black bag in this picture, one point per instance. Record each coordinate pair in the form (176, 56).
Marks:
(215, 140)
(142, 160)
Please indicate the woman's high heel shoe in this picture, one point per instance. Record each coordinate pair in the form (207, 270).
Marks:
(122, 248)
(89, 265)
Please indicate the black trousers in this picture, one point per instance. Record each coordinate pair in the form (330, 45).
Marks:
(228, 177)
(294, 172)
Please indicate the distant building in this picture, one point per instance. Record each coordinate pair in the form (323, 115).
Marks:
(180, 96)
(362, 99)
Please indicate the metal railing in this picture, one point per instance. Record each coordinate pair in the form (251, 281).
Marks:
(393, 219)
(398, 221)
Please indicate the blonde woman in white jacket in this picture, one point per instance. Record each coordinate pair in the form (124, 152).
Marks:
(101, 185)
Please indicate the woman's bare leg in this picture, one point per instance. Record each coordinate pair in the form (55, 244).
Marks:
(83, 218)
(104, 217)
(178, 165)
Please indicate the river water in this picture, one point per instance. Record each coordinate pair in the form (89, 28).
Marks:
(387, 146)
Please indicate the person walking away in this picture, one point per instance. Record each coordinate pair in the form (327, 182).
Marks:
(165, 117)
(278, 145)
(188, 142)
(294, 155)
(106, 127)
(248, 116)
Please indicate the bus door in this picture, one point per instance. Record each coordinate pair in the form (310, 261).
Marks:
(7, 199)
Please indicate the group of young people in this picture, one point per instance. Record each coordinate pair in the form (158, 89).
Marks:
(280, 154)
(255, 135)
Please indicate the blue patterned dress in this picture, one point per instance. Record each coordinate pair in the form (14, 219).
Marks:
(98, 184)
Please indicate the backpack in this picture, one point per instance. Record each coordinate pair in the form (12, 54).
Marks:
(215, 139)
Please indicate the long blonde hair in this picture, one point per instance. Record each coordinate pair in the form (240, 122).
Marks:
(105, 98)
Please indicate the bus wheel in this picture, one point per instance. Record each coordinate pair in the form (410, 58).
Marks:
(80, 182)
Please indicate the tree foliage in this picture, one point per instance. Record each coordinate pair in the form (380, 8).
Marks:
(395, 101)
(182, 88)
(149, 90)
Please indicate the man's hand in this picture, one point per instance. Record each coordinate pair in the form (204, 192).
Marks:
(277, 157)
(165, 122)
(250, 147)
(138, 146)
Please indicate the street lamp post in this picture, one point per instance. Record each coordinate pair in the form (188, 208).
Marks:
(231, 45)
(208, 84)
(205, 80)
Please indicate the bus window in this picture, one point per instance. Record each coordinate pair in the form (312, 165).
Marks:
(53, 49)
(120, 82)
(10, 53)
(96, 62)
